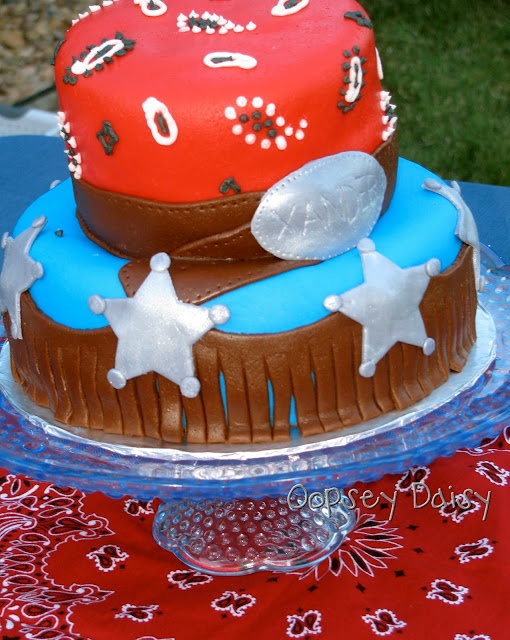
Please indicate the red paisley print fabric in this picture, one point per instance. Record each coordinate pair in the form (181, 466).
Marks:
(426, 559)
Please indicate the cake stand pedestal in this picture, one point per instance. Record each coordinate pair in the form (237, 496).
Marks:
(232, 511)
(234, 537)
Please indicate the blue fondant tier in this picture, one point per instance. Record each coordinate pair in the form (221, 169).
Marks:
(418, 225)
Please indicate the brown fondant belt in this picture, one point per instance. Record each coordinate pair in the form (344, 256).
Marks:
(214, 230)
(211, 245)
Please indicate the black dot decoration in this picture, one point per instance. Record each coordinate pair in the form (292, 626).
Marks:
(257, 124)
(229, 184)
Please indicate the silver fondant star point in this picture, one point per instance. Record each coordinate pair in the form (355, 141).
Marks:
(466, 229)
(156, 331)
(386, 305)
(19, 272)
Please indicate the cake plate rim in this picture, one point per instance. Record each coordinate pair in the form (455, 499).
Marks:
(47, 452)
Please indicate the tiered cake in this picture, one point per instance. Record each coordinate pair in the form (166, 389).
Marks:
(239, 254)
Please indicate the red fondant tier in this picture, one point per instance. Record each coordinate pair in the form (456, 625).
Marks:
(316, 365)
(154, 106)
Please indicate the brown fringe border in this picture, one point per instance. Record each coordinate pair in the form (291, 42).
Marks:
(316, 365)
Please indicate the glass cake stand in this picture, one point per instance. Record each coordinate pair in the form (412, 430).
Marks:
(238, 510)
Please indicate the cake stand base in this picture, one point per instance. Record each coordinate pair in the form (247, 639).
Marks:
(237, 537)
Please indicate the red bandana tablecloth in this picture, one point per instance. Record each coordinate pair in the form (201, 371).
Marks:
(425, 560)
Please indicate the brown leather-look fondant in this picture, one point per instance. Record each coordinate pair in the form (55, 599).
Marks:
(316, 367)
(196, 281)
(135, 228)
(387, 156)
(218, 229)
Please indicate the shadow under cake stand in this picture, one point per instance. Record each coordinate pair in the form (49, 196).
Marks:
(229, 511)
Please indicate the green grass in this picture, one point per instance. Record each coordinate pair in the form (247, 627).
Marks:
(447, 66)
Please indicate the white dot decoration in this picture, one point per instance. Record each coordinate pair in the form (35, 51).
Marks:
(230, 113)
(267, 131)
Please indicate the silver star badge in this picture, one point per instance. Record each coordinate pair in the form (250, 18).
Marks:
(387, 305)
(466, 229)
(156, 331)
(19, 272)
